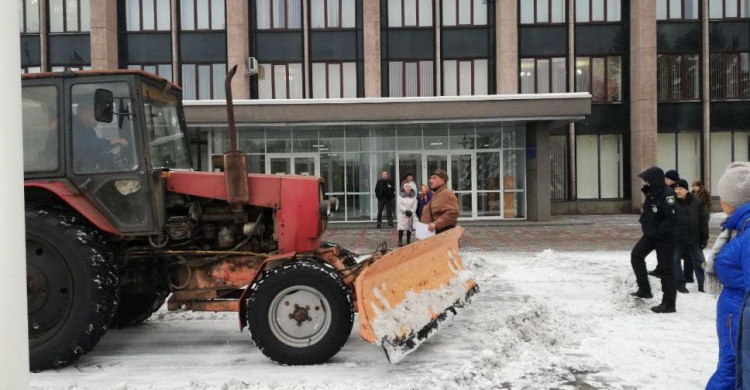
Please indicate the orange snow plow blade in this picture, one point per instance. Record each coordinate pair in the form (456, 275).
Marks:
(405, 296)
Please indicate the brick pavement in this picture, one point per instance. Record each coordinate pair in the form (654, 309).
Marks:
(580, 233)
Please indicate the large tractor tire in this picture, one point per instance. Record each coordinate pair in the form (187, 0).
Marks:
(300, 313)
(72, 286)
(136, 308)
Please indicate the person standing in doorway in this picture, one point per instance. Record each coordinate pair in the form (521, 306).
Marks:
(659, 224)
(385, 192)
(424, 197)
(441, 213)
(406, 205)
(692, 235)
(409, 178)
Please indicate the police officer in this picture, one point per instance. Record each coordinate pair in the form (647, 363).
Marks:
(659, 224)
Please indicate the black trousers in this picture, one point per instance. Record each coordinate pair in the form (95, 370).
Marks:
(665, 250)
(388, 205)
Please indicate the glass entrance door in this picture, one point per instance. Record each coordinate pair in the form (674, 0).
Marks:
(299, 164)
(461, 168)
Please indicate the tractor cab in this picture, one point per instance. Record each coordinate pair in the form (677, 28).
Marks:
(109, 135)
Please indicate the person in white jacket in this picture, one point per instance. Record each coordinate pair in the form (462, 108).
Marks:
(406, 207)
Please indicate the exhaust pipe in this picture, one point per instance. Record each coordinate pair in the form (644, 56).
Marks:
(235, 162)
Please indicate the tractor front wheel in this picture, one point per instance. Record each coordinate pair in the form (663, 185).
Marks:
(300, 313)
(72, 286)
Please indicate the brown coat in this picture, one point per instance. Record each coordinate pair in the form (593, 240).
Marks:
(444, 207)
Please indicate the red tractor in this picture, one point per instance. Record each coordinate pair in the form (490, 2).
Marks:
(116, 221)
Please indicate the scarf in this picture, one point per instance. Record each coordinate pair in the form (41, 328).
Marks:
(713, 284)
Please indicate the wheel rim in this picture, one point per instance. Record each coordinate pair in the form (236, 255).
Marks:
(299, 316)
(49, 288)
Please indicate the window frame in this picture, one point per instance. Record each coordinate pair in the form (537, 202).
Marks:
(65, 18)
(725, 80)
(536, 14)
(416, 11)
(328, 85)
(458, 8)
(724, 10)
(195, 18)
(682, 11)
(156, 17)
(325, 16)
(142, 66)
(621, 185)
(24, 28)
(536, 79)
(419, 76)
(458, 62)
(197, 77)
(683, 76)
(272, 66)
(591, 13)
(286, 17)
(606, 78)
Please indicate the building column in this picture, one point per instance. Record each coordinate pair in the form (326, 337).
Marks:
(706, 96)
(438, 45)
(643, 127)
(104, 34)
(238, 46)
(538, 172)
(371, 16)
(14, 361)
(506, 38)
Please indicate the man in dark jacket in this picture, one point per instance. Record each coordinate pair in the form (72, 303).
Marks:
(659, 224)
(385, 192)
(692, 235)
(671, 177)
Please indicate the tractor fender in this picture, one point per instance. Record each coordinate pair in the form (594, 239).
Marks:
(269, 263)
(60, 191)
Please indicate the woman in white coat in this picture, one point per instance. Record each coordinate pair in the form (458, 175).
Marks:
(407, 206)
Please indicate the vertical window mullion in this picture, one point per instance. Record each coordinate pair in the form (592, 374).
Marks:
(140, 15)
(419, 68)
(273, 76)
(599, 165)
(472, 69)
(341, 78)
(328, 82)
(156, 19)
(210, 25)
(195, 20)
(403, 12)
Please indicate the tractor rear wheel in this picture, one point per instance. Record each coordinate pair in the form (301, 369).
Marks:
(72, 286)
(300, 313)
(136, 308)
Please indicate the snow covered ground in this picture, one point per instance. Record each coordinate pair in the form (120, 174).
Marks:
(550, 320)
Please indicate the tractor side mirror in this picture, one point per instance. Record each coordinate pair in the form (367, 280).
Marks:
(103, 105)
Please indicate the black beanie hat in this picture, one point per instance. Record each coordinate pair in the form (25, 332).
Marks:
(682, 183)
(672, 175)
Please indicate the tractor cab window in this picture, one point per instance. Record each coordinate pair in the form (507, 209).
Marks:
(40, 129)
(102, 146)
(166, 140)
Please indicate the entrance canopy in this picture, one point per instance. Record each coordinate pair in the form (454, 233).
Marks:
(488, 145)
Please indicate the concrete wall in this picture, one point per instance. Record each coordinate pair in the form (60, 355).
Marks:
(584, 207)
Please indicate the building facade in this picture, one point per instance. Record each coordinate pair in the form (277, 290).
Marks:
(669, 83)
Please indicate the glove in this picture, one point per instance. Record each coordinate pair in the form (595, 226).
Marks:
(704, 244)
(408, 213)
(645, 189)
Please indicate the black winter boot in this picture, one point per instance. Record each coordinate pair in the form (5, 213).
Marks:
(400, 238)
(683, 289)
(664, 308)
(408, 237)
(642, 294)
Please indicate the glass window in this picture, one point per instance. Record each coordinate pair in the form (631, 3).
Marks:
(465, 77)
(99, 146)
(409, 13)
(278, 14)
(411, 78)
(680, 151)
(726, 9)
(542, 11)
(599, 170)
(465, 12)
(163, 70)
(334, 80)
(278, 140)
(41, 129)
(543, 75)
(203, 81)
(677, 9)
(332, 14)
(202, 15)
(602, 76)
(559, 166)
(69, 16)
(280, 81)
(167, 143)
(730, 75)
(726, 147)
(28, 16)
(677, 76)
